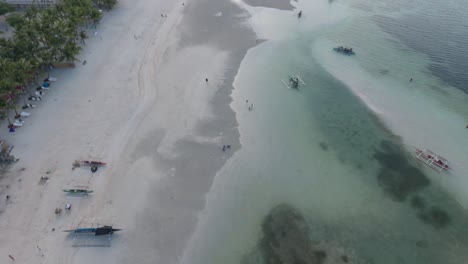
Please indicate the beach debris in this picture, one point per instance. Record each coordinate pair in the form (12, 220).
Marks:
(5, 154)
(218, 14)
(76, 164)
(251, 107)
(58, 211)
(68, 206)
(11, 257)
(299, 15)
(43, 180)
(206, 79)
(94, 169)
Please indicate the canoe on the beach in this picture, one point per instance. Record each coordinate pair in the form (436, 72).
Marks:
(97, 231)
(81, 191)
(91, 163)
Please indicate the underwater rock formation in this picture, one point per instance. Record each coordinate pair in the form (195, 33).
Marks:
(398, 177)
(286, 238)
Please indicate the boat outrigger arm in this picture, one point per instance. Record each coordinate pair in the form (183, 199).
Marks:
(97, 231)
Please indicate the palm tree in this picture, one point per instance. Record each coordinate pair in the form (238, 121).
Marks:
(24, 70)
(5, 98)
(70, 51)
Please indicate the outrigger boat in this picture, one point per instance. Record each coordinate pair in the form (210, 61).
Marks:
(77, 191)
(344, 50)
(433, 160)
(97, 231)
(293, 82)
(90, 163)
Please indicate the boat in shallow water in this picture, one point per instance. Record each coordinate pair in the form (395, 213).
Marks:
(433, 160)
(343, 50)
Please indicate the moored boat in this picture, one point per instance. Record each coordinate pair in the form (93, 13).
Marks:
(432, 160)
(344, 50)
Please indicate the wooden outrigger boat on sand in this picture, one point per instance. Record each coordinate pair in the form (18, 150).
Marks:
(97, 231)
(89, 163)
(433, 160)
(78, 191)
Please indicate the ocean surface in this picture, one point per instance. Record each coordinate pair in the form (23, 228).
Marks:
(336, 155)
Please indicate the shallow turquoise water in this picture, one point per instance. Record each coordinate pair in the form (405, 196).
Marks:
(322, 150)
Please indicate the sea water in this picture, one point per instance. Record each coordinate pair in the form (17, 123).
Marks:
(338, 149)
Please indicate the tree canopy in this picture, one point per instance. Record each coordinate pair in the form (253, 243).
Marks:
(42, 37)
(6, 8)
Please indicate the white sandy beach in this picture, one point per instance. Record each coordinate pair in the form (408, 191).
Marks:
(136, 104)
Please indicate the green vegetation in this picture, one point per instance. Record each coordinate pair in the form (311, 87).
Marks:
(14, 19)
(42, 37)
(5, 8)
